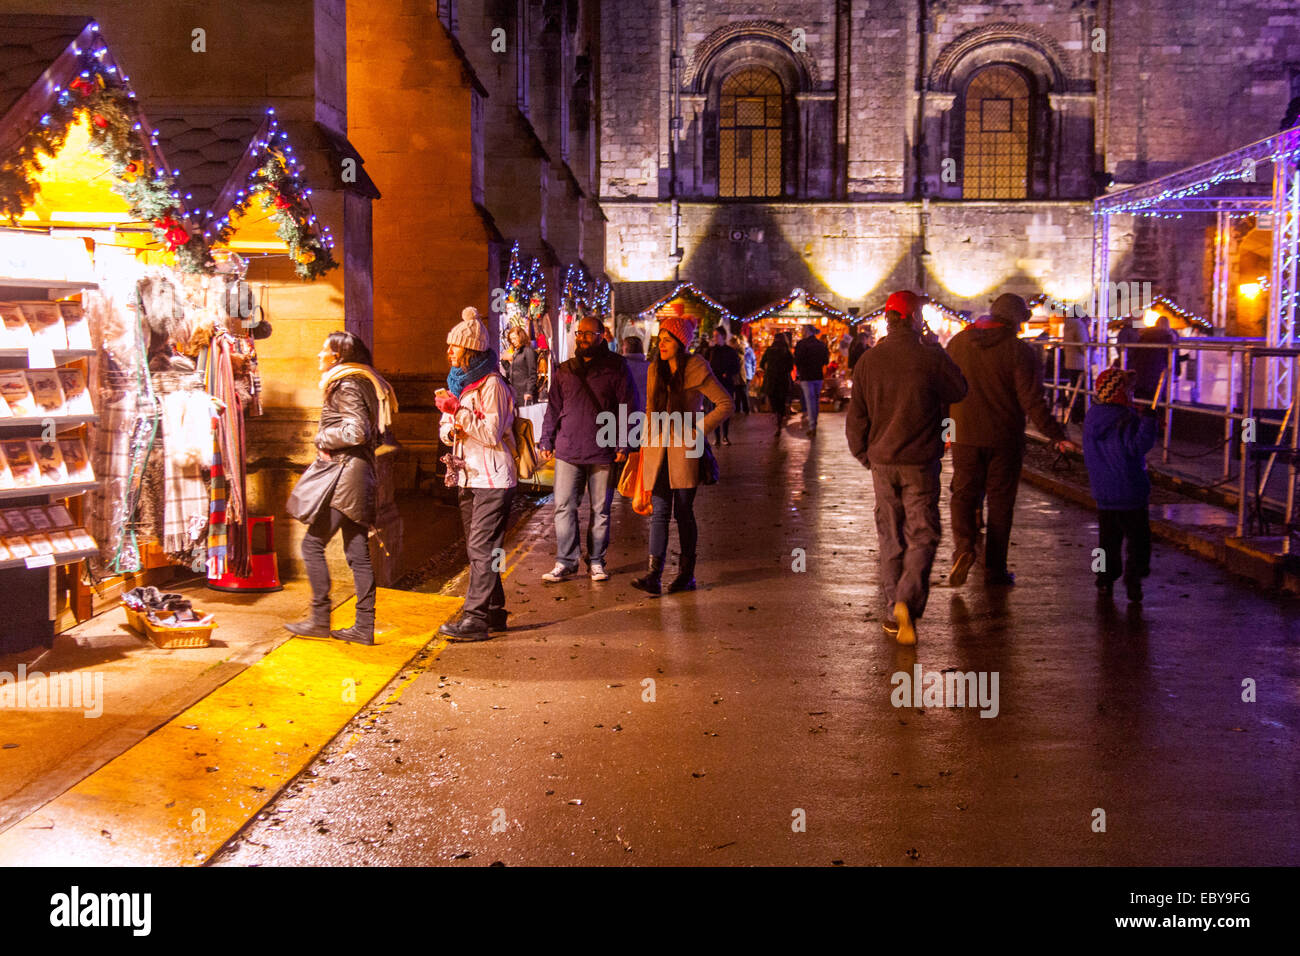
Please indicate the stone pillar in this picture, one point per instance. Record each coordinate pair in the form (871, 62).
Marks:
(1072, 120)
(937, 145)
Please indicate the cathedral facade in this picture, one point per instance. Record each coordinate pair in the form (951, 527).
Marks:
(849, 147)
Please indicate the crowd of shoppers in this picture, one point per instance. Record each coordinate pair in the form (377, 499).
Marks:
(911, 399)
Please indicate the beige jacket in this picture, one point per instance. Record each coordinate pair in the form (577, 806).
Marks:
(683, 470)
(487, 416)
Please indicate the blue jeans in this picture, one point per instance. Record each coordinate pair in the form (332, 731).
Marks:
(812, 398)
(570, 479)
(667, 502)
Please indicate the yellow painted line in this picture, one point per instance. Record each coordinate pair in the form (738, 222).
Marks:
(177, 796)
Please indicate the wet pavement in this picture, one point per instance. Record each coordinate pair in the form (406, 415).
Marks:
(754, 721)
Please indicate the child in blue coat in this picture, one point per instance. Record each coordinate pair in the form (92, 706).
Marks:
(1116, 439)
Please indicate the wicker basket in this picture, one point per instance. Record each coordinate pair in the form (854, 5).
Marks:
(136, 621)
(169, 637)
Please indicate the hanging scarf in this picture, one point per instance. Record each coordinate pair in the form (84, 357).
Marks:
(458, 379)
(384, 391)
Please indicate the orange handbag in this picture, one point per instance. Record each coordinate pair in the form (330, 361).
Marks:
(631, 486)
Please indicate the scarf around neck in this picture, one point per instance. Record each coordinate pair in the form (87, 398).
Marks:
(387, 397)
(458, 379)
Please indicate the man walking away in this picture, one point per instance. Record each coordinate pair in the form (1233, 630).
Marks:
(901, 391)
(988, 436)
(810, 358)
(725, 362)
(586, 392)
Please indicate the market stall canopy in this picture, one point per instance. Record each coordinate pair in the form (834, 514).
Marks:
(269, 172)
(790, 314)
(204, 147)
(75, 148)
(37, 54)
(77, 151)
(801, 308)
(684, 298)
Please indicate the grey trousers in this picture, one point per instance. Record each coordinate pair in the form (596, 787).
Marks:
(907, 526)
(483, 515)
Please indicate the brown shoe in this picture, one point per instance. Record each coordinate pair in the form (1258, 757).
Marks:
(308, 628)
(960, 568)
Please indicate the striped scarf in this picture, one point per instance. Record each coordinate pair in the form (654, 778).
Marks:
(227, 513)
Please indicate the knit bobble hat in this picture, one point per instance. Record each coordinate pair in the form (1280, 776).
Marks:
(680, 328)
(1113, 384)
(471, 333)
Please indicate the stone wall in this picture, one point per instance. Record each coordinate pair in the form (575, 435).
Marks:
(854, 254)
(1136, 88)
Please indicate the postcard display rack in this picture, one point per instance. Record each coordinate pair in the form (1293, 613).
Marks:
(45, 464)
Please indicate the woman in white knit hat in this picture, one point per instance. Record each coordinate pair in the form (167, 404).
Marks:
(478, 416)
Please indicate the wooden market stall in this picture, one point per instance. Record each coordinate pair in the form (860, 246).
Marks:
(686, 300)
(116, 283)
(789, 315)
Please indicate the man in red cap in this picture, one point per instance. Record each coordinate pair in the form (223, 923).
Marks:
(901, 392)
(988, 434)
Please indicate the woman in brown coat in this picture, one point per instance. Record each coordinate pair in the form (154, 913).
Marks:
(671, 455)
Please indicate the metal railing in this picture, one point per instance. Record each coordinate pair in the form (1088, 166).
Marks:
(1222, 384)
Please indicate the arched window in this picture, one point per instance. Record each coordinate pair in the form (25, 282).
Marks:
(750, 125)
(997, 128)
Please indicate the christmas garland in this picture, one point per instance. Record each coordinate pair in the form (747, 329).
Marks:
(282, 193)
(115, 134)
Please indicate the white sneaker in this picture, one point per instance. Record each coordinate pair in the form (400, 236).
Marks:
(598, 572)
(557, 574)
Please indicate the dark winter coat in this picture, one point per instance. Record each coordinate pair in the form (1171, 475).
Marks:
(1005, 376)
(725, 362)
(810, 359)
(901, 391)
(777, 366)
(348, 431)
(520, 371)
(571, 426)
(1116, 440)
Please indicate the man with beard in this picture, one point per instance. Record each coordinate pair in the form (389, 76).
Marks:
(585, 391)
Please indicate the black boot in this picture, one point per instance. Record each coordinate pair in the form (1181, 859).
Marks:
(685, 580)
(650, 582)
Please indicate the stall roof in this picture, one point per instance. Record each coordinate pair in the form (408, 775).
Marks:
(204, 147)
(811, 302)
(671, 291)
(30, 45)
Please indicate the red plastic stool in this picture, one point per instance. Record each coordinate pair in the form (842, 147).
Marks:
(263, 571)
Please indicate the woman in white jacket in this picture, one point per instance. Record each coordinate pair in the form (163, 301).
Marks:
(478, 416)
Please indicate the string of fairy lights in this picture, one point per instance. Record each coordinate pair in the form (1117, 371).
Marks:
(103, 93)
(1242, 169)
